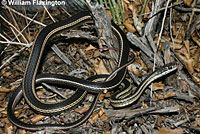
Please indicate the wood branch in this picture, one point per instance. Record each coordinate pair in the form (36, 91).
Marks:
(129, 114)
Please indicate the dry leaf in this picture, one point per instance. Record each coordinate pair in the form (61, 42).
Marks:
(176, 45)
(101, 96)
(107, 95)
(5, 72)
(169, 94)
(189, 65)
(187, 2)
(178, 41)
(129, 26)
(20, 68)
(137, 22)
(101, 112)
(100, 68)
(90, 47)
(5, 90)
(3, 104)
(183, 85)
(109, 13)
(158, 86)
(132, 68)
(107, 103)
(187, 45)
(196, 39)
(147, 10)
(8, 129)
(196, 56)
(96, 53)
(94, 118)
(159, 120)
(144, 105)
(40, 93)
(37, 118)
(107, 132)
(170, 131)
(104, 117)
(197, 122)
(4, 120)
(162, 96)
(126, 1)
(22, 131)
(83, 109)
(2, 96)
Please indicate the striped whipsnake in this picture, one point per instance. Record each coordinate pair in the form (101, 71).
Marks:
(32, 78)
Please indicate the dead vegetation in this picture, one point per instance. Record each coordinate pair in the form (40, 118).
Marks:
(160, 32)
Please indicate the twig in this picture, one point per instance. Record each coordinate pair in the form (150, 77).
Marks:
(158, 42)
(170, 28)
(15, 34)
(160, 10)
(186, 10)
(163, 23)
(15, 43)
(16, 54)
(14, 28)
(61, 54)
(193, 26)
(197, 129)
(136, 42)
(166, 110)
(14, 20)
(31, 19)
(151, 25)
(192, 86)
(53, 89)
(19, 34)
(80, 34)
(9, 59)
(4, 37)
(47, 11)
(129, 114)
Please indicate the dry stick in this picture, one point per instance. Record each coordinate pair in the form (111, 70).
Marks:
(14, 28)
(170, 27)
(15, 34)
(190, 21)
(15, 43)
(129, 114)
(32, 20)
(15, 22)
(161, 9)
(47, 11)
(4, 37)
(158, 42)
(9, 59)
(17, 53)
(171, 36)
(66, 11)
(19, 34)
(163, 23)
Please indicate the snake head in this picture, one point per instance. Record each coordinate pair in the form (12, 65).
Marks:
(166, 69)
